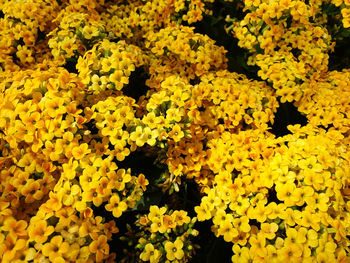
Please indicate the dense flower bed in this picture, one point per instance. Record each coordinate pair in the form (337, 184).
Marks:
(123, 128)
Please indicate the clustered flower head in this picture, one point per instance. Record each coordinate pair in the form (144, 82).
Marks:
(40, 123)
(76, 33)
(108, 65)
(60, 234)
(132, 20)
(326, 101)
(221, 101)
(179, 49)
(50, 159)
(345, 11)
(165, 236)
(21, 32)
(288, 40)
(283, 200)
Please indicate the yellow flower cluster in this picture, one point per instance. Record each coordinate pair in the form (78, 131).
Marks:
(51, 160)
(345, 11)
(55, 234)
(136, 18)
(91, 7)
(95, 181)
(326, 101)
(108, 65)
(221, 101)
(76, 33)
(165, 236)
(288, 40)
(166, 118)
(33, 13)
(178, 49)
(39, 112)
(21, 42)
(280, 199)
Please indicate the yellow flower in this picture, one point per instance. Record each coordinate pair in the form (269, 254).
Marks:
(90, 31)
(120, 151)
(89, 177)
(181, 217)
(272, 255)
(151, 120)
(242, 224)
(313, 179)
(116, 206)
(55, 248)
(174, 250)
(227, 230)
(156, 212)
(321, 202)
(158, 225)
(66, 216)
(176, 133)
(24, 54)
(137, 136)
(179, 98)
(11, 247)
(258, 243)
(106, 64)
(291, 253)
(309, 219)
(69, 193)
(169, 221)
(32, 191)
(119, 138)
(312, 238)
(105, 186)
(221, 216)
(33, 121)
(290, 216)
(295, 236)
(241, 205)
(269, 230)
(142, 181)
(99, 247)
(15, 227)
(260, 212)
(150, 254)
(286, 193)
(40, 231)
(150, 136)
(55, 107)
(324, 256)
(310, 164)
(80, 151)
(346, 17)
(69, 171)
(212, 200)
(121, 178)
(93, 194)
(22, 132)
(305, 194)
(69, 46)
(119, 79)
(203, 212)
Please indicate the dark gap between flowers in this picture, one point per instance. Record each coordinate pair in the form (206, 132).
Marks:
(137, 84)
(70, 66)
(215, 29)
(287, 114)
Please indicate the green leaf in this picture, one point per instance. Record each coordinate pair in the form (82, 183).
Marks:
(345, 33)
